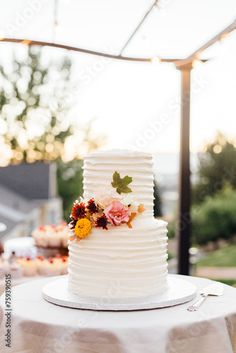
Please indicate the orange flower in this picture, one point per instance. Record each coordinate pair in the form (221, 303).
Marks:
(141, 208)
(83, 228)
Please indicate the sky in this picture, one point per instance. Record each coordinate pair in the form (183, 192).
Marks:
(137, 105)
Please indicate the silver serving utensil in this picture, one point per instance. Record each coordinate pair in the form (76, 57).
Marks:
(214, 289)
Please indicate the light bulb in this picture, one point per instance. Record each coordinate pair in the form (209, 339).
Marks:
(196, 63)
(156, 60)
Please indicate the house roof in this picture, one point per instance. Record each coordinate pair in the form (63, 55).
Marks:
(12, 200)
(23, 188)
(30, 181)
(13, 209)
(9, 223)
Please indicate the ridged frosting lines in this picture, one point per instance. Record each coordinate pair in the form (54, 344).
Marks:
(120, 262)
(99, 169)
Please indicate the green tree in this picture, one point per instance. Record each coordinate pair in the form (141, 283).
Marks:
(34, 98)
(217, 166)
(70, 183)
(215, 218)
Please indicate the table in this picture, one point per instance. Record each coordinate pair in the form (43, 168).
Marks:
(18, 281)
(41, 327)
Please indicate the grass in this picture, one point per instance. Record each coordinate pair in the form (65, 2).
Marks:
(224, 257)
(230, 282)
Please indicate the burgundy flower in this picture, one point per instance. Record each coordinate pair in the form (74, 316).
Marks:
(78, 210)
(92, 207)
(102, 222)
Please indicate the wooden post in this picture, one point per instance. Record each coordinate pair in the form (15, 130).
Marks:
(184, 218)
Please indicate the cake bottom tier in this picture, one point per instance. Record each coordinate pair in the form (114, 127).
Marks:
(120, 262)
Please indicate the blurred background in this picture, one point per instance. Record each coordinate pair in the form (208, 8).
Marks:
(58, 105)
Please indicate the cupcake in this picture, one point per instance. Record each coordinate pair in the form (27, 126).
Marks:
(52, 267)
(29, 267)
(39, 261)
(54, 238)
(65, 237)
(62, 231)
(40, 236)
(61, 263)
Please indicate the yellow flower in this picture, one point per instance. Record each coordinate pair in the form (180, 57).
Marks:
(83, 228)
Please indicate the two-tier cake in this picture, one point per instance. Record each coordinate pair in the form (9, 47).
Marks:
(117, 248)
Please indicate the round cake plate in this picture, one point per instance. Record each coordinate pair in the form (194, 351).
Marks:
(179, 291)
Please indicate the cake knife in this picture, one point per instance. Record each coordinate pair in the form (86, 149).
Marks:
(214, 289)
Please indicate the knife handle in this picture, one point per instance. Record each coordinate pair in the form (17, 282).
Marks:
(198, 303)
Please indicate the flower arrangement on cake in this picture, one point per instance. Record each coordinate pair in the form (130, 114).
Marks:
(105, 210)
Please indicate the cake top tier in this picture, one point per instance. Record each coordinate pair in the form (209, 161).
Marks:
(118, 153)
(118, 188)
(121, 172)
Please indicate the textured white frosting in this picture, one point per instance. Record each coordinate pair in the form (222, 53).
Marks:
(100, 166)
(120, 262)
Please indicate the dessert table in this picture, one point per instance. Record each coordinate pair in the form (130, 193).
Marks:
(38, 326)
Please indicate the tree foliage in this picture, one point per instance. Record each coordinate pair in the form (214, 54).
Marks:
(33, 104)
(217, 166)
(215, 218)
(70, 183)
(35, 98)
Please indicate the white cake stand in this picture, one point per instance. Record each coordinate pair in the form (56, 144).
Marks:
(179, 291)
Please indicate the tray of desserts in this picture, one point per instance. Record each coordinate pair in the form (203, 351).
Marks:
(51, 238)
(19, 267)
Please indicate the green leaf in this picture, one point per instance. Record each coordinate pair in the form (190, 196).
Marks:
(116, 179)
(127, 180)
(121, 184)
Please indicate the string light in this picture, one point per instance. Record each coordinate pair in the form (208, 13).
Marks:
(155, 60)
(192, 58)
(26, 41)
(196, 63)
(224, 36)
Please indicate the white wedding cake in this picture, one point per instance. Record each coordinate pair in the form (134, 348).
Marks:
(117, 248)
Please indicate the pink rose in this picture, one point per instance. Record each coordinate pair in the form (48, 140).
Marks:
(117, 213)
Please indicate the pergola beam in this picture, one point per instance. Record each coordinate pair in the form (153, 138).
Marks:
(184, 208)
(131, 36)
(176, 61)
(216, 38)
(85, 51)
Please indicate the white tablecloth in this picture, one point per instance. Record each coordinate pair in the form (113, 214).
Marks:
(41, 327)
(18, 281)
